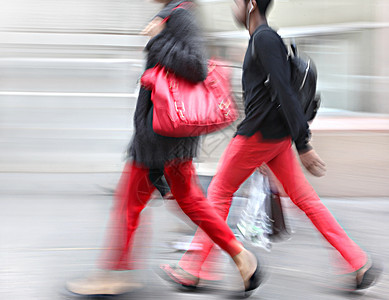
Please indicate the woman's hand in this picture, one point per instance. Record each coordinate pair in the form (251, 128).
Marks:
(154, 27)
(313, 163)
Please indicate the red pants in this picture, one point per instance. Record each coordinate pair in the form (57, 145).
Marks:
(134, 191)
(242, 156)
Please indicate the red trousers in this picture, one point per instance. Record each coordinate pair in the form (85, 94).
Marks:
(242, 156)
(133, 193)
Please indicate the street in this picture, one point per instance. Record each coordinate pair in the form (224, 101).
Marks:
(52, 229)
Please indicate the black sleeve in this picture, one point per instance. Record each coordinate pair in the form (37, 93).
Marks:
(180, 47)
(272, 54)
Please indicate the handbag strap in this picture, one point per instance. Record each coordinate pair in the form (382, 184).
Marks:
(173, 83)
(225, 103)
(178, 104)
(183, 5)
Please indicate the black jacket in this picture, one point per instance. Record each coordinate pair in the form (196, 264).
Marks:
(180, 48)
(274, 118)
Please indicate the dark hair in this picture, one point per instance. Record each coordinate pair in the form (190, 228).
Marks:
(263, 5)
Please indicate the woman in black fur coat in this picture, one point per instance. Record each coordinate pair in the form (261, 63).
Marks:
(176, 44)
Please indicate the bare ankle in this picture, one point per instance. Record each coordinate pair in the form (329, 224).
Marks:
(246, 262)
(363, 270)
(240, 258)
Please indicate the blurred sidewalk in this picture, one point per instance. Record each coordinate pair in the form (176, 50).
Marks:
(52, 229)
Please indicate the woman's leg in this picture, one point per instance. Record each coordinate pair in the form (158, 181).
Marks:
(182, 179)
(288, 171)
(132, 194)
(242, 156)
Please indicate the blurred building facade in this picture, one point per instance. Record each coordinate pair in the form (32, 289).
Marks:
(69, 74)
(345, 38)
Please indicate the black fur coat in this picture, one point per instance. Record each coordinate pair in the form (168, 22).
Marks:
(180, 48)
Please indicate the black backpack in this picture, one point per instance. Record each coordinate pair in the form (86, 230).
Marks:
(304, 80)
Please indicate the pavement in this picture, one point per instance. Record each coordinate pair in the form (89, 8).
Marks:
(52, 229)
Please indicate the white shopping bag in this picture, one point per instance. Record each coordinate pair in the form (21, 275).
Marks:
(255, 225)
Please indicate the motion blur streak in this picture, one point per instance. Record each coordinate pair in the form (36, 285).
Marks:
(68, 85)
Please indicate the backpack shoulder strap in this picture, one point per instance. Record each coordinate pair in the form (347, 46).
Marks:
(253, 53)
(266, 83)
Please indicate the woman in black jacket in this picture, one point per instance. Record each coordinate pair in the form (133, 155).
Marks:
(177, 45)
(265, 137)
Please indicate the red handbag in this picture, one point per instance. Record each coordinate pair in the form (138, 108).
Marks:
(182, 108)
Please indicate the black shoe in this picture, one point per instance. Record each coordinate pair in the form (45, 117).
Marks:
(255, 280)
(370, 277)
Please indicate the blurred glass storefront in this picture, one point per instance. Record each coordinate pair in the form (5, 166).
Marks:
(347, 39)
(69, 72)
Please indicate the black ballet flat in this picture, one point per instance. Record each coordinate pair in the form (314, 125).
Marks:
(370, 277)
(255, 281)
